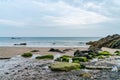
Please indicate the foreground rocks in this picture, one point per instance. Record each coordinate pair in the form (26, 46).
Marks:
(109, 41)
(19, 68)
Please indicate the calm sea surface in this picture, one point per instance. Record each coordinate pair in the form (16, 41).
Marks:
(47, 41)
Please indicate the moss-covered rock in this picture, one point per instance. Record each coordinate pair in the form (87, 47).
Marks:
(117, 53)
(49, 56)
(80, 59)
(104, 53)
(76, 61)
(65, 59)
(29, 54)
(58, 59)
(66, 56)
(64, 66)
(101, 57)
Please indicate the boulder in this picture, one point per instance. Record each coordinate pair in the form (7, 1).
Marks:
(64, 66)
(89, 54)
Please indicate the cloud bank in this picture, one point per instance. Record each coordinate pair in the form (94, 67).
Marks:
(59, 14)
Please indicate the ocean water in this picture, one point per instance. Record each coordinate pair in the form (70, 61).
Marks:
(47, 41)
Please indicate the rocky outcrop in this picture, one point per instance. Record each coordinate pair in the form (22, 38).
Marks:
(89, 54)
(109, 41)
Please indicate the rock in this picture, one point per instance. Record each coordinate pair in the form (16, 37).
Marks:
(64, 66)
(86, 53)
(109, 41)
(21, 44)
(89, 54)
(98, 67)
(5, 58)
(55, 50)
(35, 51)
(79, 53)
(6, 73)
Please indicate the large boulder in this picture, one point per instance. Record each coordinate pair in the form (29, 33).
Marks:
(109, 41)
(64, 66)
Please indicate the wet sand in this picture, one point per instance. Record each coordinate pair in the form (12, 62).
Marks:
(6, 52)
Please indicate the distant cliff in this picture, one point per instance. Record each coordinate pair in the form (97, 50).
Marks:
(109, 41)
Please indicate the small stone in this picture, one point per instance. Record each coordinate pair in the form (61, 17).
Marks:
(6, 73)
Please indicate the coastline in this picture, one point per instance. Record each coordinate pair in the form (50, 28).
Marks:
(9, 51)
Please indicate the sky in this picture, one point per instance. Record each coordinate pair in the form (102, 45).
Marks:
(59, 18)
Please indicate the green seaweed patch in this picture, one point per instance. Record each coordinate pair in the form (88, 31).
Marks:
(80, 59)
(65, 59)
(58, 59)
(101, 57)
(117, 53)
(64, 66)
(28, 54)
(66, 56)
(76, 61)
(49, 56)
(104, 53)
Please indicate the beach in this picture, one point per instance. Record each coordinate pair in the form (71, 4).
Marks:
(59, 59)
(19, 68)
(6, 52)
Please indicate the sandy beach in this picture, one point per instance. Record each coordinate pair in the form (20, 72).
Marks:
(6, 52)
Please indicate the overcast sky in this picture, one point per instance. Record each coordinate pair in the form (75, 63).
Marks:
(59, 18)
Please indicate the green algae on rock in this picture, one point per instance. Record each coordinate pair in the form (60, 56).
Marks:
(49, 56)
(28, 54)
(64, 66)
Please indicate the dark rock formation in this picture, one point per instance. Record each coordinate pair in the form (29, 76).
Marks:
(109, 41)
(21, 44)
(5, 58)
(56, 50)
(89, 54)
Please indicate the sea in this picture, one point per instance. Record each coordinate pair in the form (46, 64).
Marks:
(46, 41)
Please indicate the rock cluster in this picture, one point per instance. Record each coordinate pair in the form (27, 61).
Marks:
(112, 41)
(89, 54)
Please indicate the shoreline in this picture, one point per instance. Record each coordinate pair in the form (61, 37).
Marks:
(11, 51)
(6, 52)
